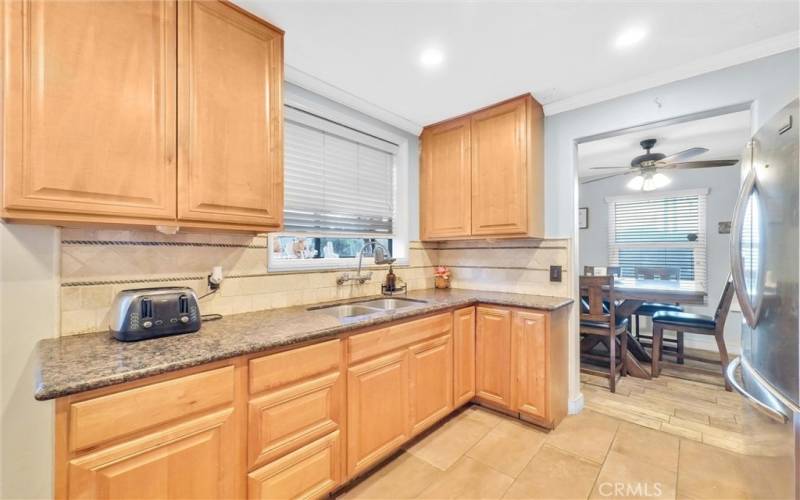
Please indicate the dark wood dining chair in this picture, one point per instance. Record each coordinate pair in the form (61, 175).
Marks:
(682, 322)
(598, 318)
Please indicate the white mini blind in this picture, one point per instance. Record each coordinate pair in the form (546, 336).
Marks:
(666, 231)
(336, 180)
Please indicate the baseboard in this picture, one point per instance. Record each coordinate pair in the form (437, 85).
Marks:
(575, 405)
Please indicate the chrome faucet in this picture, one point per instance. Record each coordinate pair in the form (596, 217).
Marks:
(382, 256)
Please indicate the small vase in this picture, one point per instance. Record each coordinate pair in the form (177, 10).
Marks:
(441, 282)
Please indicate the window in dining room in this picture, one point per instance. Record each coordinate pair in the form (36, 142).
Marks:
(664, 231)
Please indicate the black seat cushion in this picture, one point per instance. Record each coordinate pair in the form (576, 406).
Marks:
(650, 308)
(675, 318)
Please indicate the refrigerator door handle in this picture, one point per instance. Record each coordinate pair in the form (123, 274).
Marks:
(749, 310)
(770, 412)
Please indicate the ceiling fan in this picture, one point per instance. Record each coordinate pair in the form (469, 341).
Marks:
(647, 166)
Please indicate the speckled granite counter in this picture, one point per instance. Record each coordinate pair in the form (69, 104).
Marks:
(73, 364)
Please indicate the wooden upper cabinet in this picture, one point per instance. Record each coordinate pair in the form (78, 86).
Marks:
(499, 170)
(446, 180)
(497, 188)
(230, 79)
(89, 110)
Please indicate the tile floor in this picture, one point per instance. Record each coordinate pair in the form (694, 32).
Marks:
(481, 454)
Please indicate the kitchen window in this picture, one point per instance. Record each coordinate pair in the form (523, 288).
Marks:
(667, 230)
(342, 187)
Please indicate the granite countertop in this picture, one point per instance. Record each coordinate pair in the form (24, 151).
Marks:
(73, 364)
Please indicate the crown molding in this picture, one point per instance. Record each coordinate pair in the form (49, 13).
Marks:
(746, 53)
(314, 84)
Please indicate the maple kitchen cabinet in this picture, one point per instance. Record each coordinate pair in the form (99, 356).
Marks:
(399, 383)
(111, 444)
(301, 421)
(521, 358)
(482, 174)
(141, 114)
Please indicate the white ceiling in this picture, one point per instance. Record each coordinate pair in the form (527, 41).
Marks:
(558, 50)
(725, 137)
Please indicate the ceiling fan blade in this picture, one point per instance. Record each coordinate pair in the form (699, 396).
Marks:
(603, 177)
(607, 168)
(683, 155)
(701, 164)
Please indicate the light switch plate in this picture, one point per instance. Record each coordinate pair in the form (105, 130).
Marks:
(555, 273)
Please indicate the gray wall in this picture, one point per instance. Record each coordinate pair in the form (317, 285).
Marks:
(767, 84)
(723, 183)
(29, 259)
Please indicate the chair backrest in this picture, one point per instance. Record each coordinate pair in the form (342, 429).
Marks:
(724, 305)
(595, 289)
(588, 270)
(657, 273)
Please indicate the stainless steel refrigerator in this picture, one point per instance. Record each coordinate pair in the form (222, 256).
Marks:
(764, 263)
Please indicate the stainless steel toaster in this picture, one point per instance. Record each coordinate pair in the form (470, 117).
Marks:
(147, 313)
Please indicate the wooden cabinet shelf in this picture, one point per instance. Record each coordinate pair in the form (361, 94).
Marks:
(137, 114)
(482, 174)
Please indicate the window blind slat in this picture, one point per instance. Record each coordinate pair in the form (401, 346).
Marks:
(336, 184)
(666, 231)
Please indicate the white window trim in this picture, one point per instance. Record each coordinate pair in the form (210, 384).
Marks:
(614, 247)
(400, 241)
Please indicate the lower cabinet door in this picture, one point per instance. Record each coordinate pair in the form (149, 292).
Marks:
(529, 333)
(310, 472)
(193, 459)
(463, 355)
(377, 409)
(431, 382)
(493, 356)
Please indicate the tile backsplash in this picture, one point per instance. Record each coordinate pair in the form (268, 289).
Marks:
(96, 264)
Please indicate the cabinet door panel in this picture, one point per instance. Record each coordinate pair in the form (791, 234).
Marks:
(446, 180)
(310, 472)
(464, 355)
(284, 420)
(493, 355)
(377, 402)
(194, 459)
(529, 332)
(499, 179)
(431, 382)
(230, 166)
(90, 108)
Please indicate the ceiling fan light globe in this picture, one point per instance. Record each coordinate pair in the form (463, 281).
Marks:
(636, 183)
(649, 184)
(660, 180)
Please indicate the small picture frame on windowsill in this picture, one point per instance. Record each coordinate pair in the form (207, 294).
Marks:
(583, 218)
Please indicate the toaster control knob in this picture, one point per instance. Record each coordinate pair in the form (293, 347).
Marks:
(147, 324)
(184, 319)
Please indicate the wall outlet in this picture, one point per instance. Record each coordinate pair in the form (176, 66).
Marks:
(555, 273)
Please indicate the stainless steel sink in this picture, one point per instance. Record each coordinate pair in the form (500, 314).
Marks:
(348, 310)
(366, 307)
(391, 304)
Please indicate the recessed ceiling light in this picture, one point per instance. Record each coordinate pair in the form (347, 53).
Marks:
(630, 37)
(432, 57)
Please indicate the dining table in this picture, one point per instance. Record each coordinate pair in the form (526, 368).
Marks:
(630, 293)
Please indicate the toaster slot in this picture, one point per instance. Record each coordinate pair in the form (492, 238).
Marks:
(146, 308)
(183, 304)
